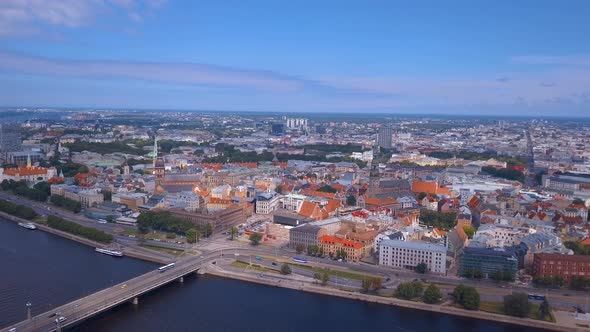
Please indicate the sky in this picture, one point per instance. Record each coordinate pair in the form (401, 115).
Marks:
(457, 57)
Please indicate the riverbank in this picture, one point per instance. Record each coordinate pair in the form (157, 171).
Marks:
(128, 251)
(441, 309)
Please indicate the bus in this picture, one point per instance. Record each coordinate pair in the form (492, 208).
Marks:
(536, 297)
(299, 260)
(166, 267)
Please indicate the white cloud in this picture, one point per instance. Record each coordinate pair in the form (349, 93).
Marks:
(563, 60)
(176, 73)
(25, 17)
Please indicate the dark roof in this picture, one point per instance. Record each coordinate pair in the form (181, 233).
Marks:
(307, 228)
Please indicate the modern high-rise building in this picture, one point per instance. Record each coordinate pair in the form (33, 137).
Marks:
(384, 137)
(10, 138)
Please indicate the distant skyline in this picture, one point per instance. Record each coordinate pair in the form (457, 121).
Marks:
(525, 58)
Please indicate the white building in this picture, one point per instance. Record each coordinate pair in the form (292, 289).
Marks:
(402, 254)
(187, 200)
(88, 197)
(293, 202)
(388, 235)
(267, 202)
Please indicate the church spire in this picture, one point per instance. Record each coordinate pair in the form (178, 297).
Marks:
(29, 160)
(155, 152)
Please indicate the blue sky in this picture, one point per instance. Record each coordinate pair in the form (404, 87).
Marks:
(488, 57)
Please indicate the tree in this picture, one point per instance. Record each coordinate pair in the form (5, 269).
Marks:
(365, 285)
(208, 230)
(299, 248)
(279, 188)
(467, 297)
(341, 254)
(110, 219)
(578, 201)
(255, 238)
(107, 195)
(517, 304)
(432, 294)
(285, 269)
(191, 235)
(544, 309)
(312, 250)
(350, 200)
(376, 283)
(421, 196)
(317, 276)
(233, 231)
(421, 268)
(469, 230)
(409, 290)
(325, 278)
(327, 189)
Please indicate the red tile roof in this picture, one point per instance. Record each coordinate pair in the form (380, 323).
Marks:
(328, 239)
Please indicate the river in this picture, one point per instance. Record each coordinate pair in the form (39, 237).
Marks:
(48, 271)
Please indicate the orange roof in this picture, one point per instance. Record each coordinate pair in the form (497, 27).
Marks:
(424, 187)
(318, 193)
(81, 176)
(214, 200)
(25, 171)
(585, 242)
(214, 166)
(380, 201)
(312, 210)
(440, 231)
(333, 205)
(328, 239)
(429, 187)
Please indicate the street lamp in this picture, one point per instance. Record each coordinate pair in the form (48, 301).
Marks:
(28, 310)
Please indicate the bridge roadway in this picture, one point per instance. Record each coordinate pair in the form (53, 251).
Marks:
(108, 298)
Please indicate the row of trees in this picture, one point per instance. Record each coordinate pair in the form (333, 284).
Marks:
(39, 192)
(467, 297)
(549, 282)
(230, 154)
(518, 305)
(66, 203)
(415, 289)
(104, 148)
(76, 229)
(504, 173)
(71, 169)
(373, 284)
(577, 247)
(17, 210)
(166, 222)
(441, 220)
(575, 283)
(315, 250)
(322, 278)
(470, 155)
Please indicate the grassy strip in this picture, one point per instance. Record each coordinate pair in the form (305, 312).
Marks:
(17, 210)
(498, 308)
(172, 252)
(76, 229)
(337, 273)
(245, 265)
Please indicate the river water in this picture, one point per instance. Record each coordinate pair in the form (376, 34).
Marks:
(48, 271)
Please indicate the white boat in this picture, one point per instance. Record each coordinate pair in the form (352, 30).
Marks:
(109, 252)
(27, 225)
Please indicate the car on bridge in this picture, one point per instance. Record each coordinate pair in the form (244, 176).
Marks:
(60, 319)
